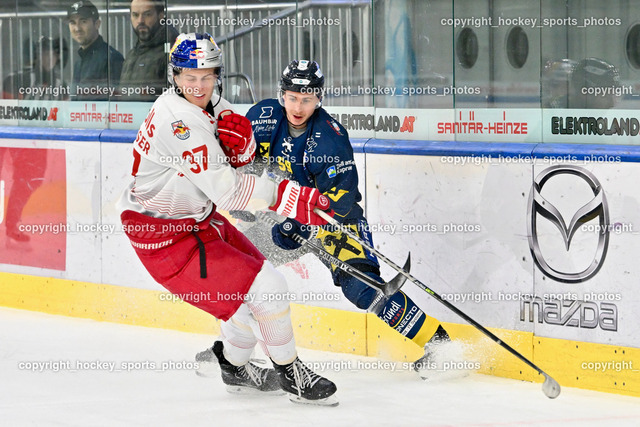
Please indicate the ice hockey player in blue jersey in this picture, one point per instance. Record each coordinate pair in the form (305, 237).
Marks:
(298, 140)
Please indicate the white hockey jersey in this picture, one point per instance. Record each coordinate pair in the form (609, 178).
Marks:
(180, 169)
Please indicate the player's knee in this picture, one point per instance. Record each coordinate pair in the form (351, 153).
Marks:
(269, 287)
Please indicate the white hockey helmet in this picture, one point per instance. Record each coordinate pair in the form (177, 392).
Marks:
(194, 50)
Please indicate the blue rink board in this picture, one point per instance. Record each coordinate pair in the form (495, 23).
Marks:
(593, 152)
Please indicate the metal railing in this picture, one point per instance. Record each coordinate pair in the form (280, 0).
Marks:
(257, 40)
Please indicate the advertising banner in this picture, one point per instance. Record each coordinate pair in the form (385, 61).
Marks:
(591, 126)
(583, 231)
(33, 217)
(31, 113)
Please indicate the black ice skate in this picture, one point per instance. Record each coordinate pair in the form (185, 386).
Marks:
(239, 379)
(304, 385)
(426, 365)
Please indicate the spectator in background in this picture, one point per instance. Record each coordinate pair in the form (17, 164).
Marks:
(593, 74)
(41, 78)
(556, 76)
(99, 65)
(144, 73)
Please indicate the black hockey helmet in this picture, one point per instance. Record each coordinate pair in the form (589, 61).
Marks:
(593, 73)
(304, 77)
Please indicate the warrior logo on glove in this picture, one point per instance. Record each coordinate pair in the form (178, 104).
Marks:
(299, 202)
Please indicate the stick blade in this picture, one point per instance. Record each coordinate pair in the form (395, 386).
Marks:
(550, 387)
(397, 282)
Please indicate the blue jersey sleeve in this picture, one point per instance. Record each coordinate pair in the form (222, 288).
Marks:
(333, 167)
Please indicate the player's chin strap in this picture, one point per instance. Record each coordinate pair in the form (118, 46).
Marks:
(387, 288)
(550, 388)
(219, 85)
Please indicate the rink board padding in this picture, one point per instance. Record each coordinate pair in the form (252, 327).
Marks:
(592, 366)
(314, 327)
(462, 209)
(108, 303)
(329, 329)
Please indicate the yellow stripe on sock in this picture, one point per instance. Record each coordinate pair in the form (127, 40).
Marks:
(426, 331)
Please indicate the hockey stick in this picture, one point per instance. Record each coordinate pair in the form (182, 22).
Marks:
(387, 288)
(550, 387)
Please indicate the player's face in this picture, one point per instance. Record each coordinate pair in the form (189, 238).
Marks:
(299, 107)
(145, 19)
(197, 85)
(83, 30)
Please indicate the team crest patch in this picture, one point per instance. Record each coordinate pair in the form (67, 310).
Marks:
(331, 171)
(263, 149)
(335, 126)
(180, 130)
(287, 145)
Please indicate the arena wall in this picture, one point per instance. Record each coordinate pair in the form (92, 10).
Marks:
(467, 212)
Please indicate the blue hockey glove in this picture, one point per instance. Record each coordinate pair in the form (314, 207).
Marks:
(281, 234)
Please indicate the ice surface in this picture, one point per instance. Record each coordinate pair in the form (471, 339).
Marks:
(370, 393)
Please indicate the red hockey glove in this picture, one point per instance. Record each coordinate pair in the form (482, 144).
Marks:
(236, 138)
(299, 202)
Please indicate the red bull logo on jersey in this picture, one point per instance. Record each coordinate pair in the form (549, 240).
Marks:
(180, 130)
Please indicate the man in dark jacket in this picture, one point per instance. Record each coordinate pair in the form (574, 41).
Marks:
(144, 73)
(96, 72)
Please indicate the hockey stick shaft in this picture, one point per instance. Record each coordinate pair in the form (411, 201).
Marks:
(326, 256)
(425, 288)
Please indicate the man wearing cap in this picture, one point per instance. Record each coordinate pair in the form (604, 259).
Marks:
(99, 65)
(144, 73)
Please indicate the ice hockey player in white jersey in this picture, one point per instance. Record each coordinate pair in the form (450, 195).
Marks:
(185, 160)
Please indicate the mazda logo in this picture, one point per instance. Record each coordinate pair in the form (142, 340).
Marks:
(596, 207)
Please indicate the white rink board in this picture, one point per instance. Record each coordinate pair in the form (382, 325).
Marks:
(120, 263)
(490, 259)
(469, 240)
(84, 204)
(489, 268)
